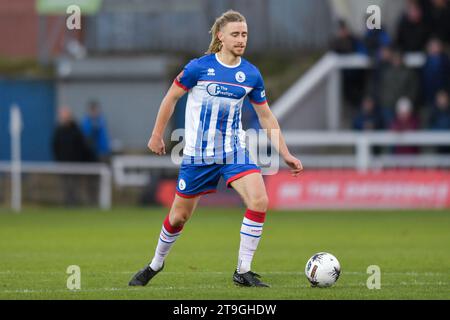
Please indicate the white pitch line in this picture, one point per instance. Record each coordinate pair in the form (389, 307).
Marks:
(226, 273)
(344, 286)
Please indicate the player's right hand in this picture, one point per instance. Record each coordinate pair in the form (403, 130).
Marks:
(156, 145)
(295, 165)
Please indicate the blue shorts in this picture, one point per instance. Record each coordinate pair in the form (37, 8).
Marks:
(198, 179)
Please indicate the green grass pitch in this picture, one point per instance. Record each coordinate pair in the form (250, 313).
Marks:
(412, 248)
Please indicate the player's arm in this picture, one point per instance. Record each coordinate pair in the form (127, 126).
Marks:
(270, 123)
(156, 142)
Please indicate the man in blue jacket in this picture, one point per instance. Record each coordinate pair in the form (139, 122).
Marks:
(95, 130)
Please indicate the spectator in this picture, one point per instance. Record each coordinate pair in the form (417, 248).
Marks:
(95, 130)
(69, 146)
(396, 81)
(374, 40)
(412, 31)
(353, 80)
(385, 56)
(404, 121)
(435, 71)
(440, 116)
(379, 67)
(344, 41)
(439, 19)
(368, 118)
(425, 5)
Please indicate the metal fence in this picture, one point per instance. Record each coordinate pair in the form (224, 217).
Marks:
(64, 183)
(134, 170)
(49, 183)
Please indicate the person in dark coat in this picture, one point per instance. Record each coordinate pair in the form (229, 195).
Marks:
(436, 71)
(440, 117)
(396, 81)
(412, 32)
(345, 42)
(368, 118)
(69, 145)
(437, 17)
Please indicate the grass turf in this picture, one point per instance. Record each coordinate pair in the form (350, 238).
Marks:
(37, 246)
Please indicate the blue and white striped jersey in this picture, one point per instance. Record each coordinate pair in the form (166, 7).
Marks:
(213, 127)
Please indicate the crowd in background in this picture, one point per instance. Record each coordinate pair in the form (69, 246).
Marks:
(391, 95)
(84, 142)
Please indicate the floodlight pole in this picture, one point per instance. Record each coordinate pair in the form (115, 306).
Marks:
(16, 181)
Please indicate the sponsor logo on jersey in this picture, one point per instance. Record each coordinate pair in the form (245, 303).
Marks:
(211, 72)
(225, 91)
(182, 184)
(240, 76)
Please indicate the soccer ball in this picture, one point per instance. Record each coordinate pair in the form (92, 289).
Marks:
(322, 270)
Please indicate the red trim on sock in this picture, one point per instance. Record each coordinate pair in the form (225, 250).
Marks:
(255, 216)
(169, 228)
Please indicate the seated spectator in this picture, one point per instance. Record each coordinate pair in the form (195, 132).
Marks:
(368, 118)
(412, 31)
(94, 129)
(440, 116)
(436, 71)
(396, 81)
(344, 41)
(439, 19)
(405, 121)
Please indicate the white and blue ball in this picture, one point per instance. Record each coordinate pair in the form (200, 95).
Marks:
(323, 270)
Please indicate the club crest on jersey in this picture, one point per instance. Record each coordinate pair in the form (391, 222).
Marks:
(225, 91)
(211, 72)
(240, 76)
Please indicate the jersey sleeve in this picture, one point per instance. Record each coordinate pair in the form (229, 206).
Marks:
(187, 79)
(258, 93)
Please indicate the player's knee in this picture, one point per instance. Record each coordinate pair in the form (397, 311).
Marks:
(259, 203)
(179, 217)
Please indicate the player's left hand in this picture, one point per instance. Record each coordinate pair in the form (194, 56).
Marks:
(295, 165)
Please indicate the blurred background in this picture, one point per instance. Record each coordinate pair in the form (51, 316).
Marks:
(367, 111)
